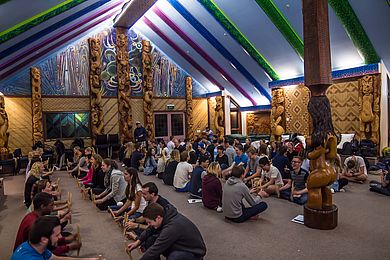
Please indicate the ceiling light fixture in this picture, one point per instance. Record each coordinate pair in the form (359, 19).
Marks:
(224, 77)
(245, 51)
(231, 64)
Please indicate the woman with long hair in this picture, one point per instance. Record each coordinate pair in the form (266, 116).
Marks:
(115, 186)
(34, 175)
(212, 187)
(150, 166)
(161, 163)
(170, 168)
(135, 203)
(128, 153)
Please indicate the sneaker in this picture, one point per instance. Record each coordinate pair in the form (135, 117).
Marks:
(219, 209)
(332, 190)
(342, 190)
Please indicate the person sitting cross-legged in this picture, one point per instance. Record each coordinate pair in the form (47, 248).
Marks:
(271, 179)
(355, 169)
(234, 191)
(382, 187)
(181, 180)
(196, 177)
(298, 191)
(212, 188)
(179, 238)
(43, 236)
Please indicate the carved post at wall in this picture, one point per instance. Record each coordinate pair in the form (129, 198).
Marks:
(3, 130)
(97, 124)
(189, 114)
(369, 108)
(36, 104)
(148, 88)
(219, 118)
(123, 71)
(277, 114)
(319, 211)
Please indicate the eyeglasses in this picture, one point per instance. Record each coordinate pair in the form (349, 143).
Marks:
(295, 162)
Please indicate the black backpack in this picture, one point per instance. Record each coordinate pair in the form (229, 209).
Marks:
(347, 149)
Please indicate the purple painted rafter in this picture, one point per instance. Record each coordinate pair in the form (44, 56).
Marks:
(201, 52)
(155, 29)
(6, 68)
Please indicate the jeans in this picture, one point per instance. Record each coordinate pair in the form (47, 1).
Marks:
(377, 187)
(301, 200)
(184, 189)
(180, 255)
(247, 213)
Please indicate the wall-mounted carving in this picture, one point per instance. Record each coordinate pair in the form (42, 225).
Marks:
(189, 114)
(36, 102)
(3, 127)
(219, 119)
(258, 123)
(277, 113)
(123, 71)
(369, 108)
(148, 87)
(97, 125)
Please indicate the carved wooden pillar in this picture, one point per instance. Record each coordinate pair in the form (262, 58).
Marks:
(319, 212)
(189, 114)
(148, 87)
(36, 104)
(123, 71)
(219, 118)
(278, 118)
(3, 130)
(95, 63)
(369, 108)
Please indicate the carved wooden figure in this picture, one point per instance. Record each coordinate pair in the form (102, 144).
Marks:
(277, 113)
(148, 87)
(219, 118)
(97, 124)
(3, 127)
(369, 108)
(124, 102)
(189, 114)
(36, 101)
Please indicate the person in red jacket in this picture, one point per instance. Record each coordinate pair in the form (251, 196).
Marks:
(212, 188)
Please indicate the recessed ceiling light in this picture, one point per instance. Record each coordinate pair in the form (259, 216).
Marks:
(223, 77)
(245, 51)
(231, 64)
(225, 34)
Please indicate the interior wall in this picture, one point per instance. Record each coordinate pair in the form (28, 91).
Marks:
(68, 104)
(211, 108)
(258, 123)
(384, 116)
(200, 115)
(110, 115)
(160, 104)
(297, 116)
(20, 123)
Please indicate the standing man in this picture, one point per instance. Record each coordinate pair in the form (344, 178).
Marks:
(179, 238)
(140, 133)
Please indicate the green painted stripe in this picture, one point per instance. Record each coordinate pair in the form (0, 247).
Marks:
(37, 19)
(355, 30)
(230, 27)
(283, 25)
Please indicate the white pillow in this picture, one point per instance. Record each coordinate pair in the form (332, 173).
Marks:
(345, 138)
(302, 139)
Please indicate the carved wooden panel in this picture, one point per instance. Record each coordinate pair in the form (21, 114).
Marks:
(189, 111)
(297, 116)
(258, 123)
(4, 123)
(36, 104)
(54, 104)
(148, 87)
(219, 117)
(97, 125)
(278, 118)
(123, 71)
(20, 123)
(344, 101)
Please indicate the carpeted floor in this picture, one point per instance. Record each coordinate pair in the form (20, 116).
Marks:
(362, 232)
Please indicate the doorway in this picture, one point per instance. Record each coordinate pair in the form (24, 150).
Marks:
(169, 123)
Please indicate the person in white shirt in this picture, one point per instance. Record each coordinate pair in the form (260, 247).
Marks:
(355, 169)
(271, 179)
(181, 181)
(171, 145)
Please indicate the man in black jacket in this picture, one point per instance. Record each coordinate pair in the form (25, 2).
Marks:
(140, 133)
(179, 238)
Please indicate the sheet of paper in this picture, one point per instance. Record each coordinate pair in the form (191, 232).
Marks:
(298, 219)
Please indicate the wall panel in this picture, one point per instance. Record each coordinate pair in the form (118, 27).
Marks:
(110, 115)
(200, 115)
(65, 104)
(297, 116)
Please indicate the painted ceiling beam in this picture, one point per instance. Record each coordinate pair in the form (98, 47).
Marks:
(218, 46)
(132, 11)
(171, 43)
(37, 19)
(283, 25)
(201, 52)
(355, 30)
(232, 29)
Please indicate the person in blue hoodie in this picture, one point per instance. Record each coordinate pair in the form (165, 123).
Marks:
(196, 177)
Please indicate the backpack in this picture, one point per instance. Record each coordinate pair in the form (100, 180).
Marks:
(347, 149)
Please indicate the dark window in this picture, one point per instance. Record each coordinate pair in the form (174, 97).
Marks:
(66, 125)
(177, 124)
(160, 125)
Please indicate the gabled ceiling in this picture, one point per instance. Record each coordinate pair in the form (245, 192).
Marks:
(239, 46)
